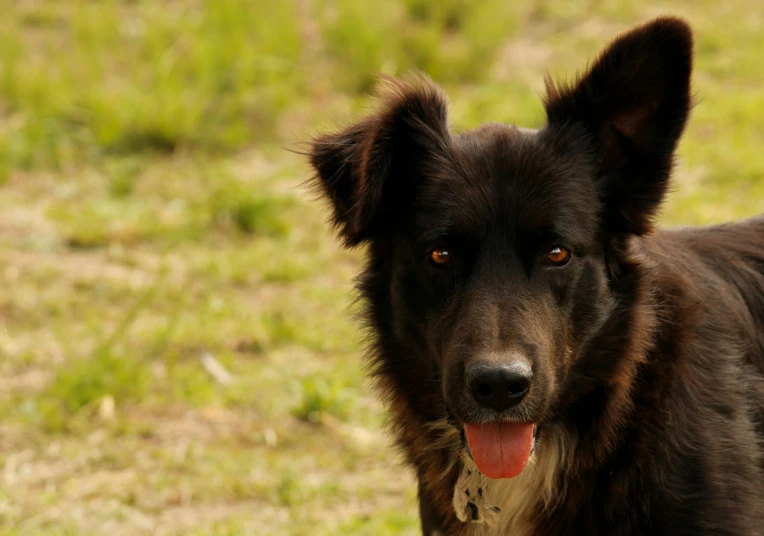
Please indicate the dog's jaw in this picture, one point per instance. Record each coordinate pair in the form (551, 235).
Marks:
(505, 506)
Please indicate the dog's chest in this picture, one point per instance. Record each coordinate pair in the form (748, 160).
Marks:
(498, 507)
(508, 506)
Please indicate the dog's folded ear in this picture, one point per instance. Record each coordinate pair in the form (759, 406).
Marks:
(373, 166)
(634, 102)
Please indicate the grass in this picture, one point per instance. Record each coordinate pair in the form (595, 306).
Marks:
(150, 216)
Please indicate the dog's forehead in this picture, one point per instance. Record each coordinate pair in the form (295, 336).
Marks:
(509, 173)
(490, 140)
(504, 157)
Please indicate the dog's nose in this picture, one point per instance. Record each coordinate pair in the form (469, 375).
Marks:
(499, 386)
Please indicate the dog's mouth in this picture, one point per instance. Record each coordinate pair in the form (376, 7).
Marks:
(500, 449)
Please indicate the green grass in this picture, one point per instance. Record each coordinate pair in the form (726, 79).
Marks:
(150, 215)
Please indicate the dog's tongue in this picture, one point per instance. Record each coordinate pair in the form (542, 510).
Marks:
(500, 449)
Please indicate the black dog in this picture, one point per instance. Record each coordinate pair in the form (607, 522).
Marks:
(552, 363)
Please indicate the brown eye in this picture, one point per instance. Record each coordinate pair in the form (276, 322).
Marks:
(557, 256)
(440, 257)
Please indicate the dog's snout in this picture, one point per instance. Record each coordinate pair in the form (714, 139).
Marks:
(499, 386)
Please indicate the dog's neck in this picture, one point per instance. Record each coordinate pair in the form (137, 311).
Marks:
(506, 506)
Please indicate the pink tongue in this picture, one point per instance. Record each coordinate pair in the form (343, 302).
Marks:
(500, 449)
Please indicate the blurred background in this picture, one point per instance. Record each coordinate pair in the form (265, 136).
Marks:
(176, 350)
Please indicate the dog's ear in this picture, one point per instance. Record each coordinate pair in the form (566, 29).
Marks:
(633, 102)
(373, 166)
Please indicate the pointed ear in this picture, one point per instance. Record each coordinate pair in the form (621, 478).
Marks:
(372, 167)
(633, 102)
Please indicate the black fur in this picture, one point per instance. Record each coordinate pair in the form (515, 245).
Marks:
(647, 348)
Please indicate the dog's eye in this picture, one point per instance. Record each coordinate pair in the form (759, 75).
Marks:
(557, 256)
(440, 257)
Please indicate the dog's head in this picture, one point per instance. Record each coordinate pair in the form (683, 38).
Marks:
(500, 253)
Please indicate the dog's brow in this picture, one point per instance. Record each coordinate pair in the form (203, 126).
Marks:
(443, 229)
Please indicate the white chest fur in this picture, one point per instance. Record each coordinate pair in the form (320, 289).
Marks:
(505, 506)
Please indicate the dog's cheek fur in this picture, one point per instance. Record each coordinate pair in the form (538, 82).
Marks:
(421, 299)
(399, 362)
(587, 309)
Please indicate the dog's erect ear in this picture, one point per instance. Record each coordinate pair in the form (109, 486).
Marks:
(634, 102)
(373, 166)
